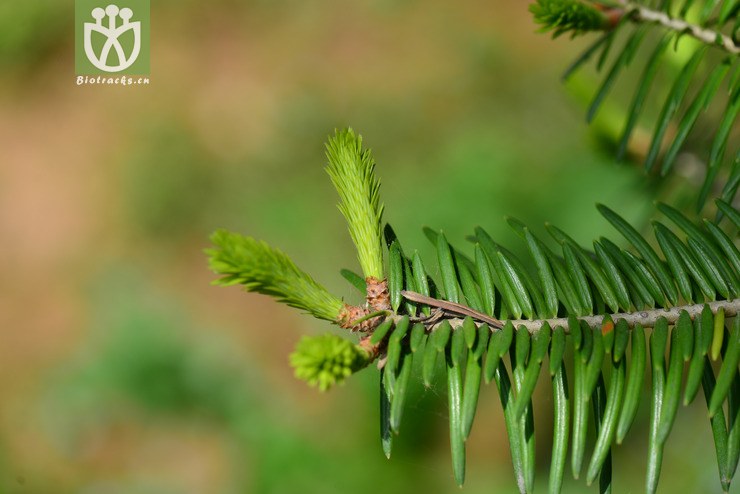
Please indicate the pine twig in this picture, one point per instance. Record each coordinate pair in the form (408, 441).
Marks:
(640, 13)
(646, 318)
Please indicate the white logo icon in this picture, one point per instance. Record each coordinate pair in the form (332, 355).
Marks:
(112, 33)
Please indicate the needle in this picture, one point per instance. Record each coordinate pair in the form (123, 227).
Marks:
(452, 307)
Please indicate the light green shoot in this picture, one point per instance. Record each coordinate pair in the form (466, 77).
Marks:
(263, 269)
(326, 360)
(352, 171)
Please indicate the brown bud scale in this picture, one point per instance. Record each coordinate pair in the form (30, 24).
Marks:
(378, 297)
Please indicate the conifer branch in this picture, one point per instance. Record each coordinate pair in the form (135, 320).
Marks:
(581, 16)
(641, 14)
(493, 305)
(645, 318)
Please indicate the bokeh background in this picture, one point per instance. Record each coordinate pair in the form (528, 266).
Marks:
(123, 371)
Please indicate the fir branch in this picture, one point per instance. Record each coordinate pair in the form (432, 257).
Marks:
(263, 269)
(581, 16)
(479, 322)
(645, 318)
(352, 171)
(574, 16)
(641, 14)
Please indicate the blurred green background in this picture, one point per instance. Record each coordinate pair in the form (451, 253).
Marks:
(123, 371)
